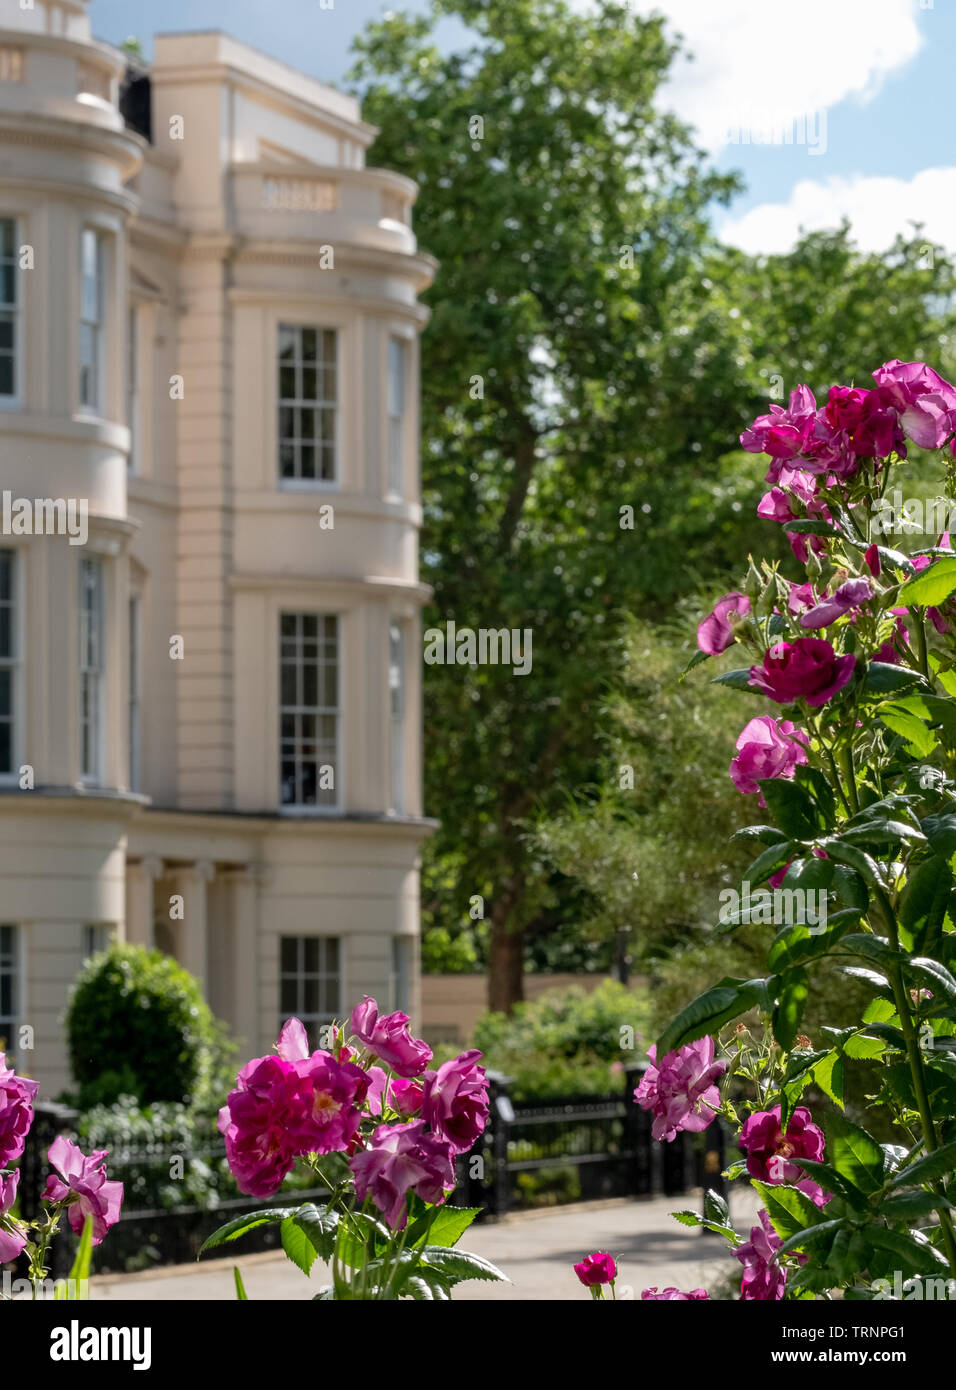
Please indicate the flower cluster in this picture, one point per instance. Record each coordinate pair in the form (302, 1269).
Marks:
(79, 1187)
(372, 1097)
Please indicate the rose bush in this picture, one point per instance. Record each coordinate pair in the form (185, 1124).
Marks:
(381, 1130)
(78, 1188)
(858, 781)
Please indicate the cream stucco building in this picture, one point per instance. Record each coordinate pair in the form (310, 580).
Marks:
(210, 705)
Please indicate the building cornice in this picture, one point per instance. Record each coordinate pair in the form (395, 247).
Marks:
(256, 823)
(417, 314)
(345, 585)
(73, 429)
(123, 147)
(223, 73)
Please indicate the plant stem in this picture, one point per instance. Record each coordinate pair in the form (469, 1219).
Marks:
(915, 1058)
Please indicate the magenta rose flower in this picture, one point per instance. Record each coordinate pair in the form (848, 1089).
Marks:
(17, 1095)
(12, 1237)
(401, 1159)
(783, 433)
(454, 1100)
(844, 407)
(680, 1090)
(773, 1156)
(598, 1268)
(807, 669)
(672, 1295)
(400, 1095)
(83, 1184)
(764, 1278)
(330, 1094)
(390, 1039)
(766, 748)
(849, 596)
(926, 402)
(716, 632)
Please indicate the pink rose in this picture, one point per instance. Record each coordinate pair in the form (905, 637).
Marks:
(82, 1183)
(680, 1090)
(844, 408)
(672, 1295)
(773, 1156)
(598, 1268)
(926, 402)
(12, 1237)
(390, 1039)
(807, 669)
(764, 1278)
(766, 747)
(17, 1095)
(783, 433)
(853, 594)
(401, 1159)
(716, 632)
(455, 1100)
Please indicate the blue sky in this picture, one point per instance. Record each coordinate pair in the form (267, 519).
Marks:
(864, 83)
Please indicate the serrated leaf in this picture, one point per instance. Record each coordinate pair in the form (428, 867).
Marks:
(790, 1211)
(928, 1169)
(455, 1266)
(932, 586)
(854, 1154)
(726, 1000)
(232, 1230)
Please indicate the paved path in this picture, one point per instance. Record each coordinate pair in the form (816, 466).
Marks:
(535, 1249)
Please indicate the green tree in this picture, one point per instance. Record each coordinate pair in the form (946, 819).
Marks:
(572, 368)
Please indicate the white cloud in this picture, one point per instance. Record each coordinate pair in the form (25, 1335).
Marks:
(773, 61)
(877, 208)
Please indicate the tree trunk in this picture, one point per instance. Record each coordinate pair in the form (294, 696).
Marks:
(505, 960)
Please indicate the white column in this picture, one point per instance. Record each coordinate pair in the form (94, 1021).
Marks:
(244, 940)
(191, 884)
(141, 877)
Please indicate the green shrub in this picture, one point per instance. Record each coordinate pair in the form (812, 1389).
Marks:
(137, 1024)
(568, 1041)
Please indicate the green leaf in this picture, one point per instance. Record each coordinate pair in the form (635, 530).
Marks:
(455, 1266)
(940, 831)
(240, 1286)
(726, 1000)
(857, 859)
(828, 1075)
(811, 526)
(238, 1227)
(810, 1236)
(790, 1211)
(788, 1013)
(920, 742)
(430, 1289)
(767, 863)
(793, 809)
(697, 659)
(80, 1272)
(932, 586)
(737, 680)
(766, 834)
(912, 1206)
(923, 904)
(883, 678)
(854, 1154)
(715, 1207)
(309, 1232)
(931, 1168)
(931, 975)
(800, 943)
(832, 1181)
(450, 1225)
(813, 780)
(874, 948)
(918, 1254)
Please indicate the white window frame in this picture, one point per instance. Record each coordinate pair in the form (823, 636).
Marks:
(135, 691)
(94, 937)
(300, 402)
(92, 663)
(396, 424)
(14, 401)
(11, 966)
(300, 709)
(14, 663)
(397, 710)
(96, 324)
(314, 1019)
